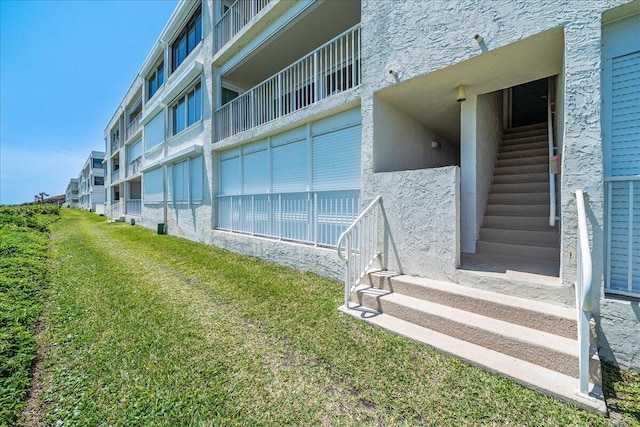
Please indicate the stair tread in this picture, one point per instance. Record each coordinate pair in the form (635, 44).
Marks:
(502, 242)
(532, 375)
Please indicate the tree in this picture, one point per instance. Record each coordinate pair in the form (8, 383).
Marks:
(39, 198)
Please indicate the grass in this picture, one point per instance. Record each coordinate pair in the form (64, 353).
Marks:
(158, 331)
(24, 274)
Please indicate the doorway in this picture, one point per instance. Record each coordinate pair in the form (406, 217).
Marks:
(528, 103)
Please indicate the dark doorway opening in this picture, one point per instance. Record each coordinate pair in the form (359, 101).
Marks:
(529, 103)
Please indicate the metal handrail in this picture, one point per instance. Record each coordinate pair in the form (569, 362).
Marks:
(366, 227)
(584, 295)
(552, 177)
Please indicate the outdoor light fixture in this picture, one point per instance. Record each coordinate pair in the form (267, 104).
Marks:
(435, 145)
(393, 73)
(461, 94)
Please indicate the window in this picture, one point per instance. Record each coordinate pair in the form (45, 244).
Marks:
(155, 80)
(188, 110)
(97, 163)
(186, 40)
(154, 132)
(134, 151)
(98, 180)
(153, 182)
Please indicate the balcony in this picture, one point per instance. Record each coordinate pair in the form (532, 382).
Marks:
(316, 218)
(115, 176)
(134, 126)
(332, 68)
(133, 168)
(239, 14)
(134, 207)
(115, 145)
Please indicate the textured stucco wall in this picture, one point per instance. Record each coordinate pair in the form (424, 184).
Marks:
(421, 209)
(416, 38)
(403, 143)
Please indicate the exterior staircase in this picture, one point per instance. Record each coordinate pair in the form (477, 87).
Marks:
(516, 220)
(535, 343)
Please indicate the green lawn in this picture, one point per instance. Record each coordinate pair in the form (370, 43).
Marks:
(148, 330)
(24, 274)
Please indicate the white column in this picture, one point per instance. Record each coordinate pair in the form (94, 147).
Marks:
(468, 174)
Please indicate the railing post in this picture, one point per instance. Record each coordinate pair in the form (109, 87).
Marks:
(316, 77)
(347, 275)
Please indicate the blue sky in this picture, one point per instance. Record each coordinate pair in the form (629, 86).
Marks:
(64, 68)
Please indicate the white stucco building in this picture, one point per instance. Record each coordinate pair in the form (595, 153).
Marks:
(90, 183)
(266, 127)
(71, 194)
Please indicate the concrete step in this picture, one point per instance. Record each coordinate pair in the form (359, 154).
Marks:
(541, 348)
(536, 145)
(526, 128)
(517, 210)
(523, 138)
(521, 169)
(546, 317)
(526, 237)
(528, 374)
(524, 160)
(520, 187)
(523, 177)
(515, 222)
(543, 253)
(519, 198)
(531, 152)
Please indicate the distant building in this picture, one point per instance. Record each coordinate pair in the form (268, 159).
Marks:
(71, 195)
(91, 183)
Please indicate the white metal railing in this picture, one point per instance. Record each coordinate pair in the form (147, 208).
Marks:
(584, 300)
(235, 18)
(312, 217)
(623, 234)
(134, 207)
(115, 145)
(358, 246)
(115, 175)
(332, 68)
(133, 167)
(552, 176)
(134, 126)
(115, 210)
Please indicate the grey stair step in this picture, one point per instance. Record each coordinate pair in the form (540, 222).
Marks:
(528, 153)
(526, 128)
(541, 348)
(519, 198)
(520, 251)
(523, 177)
(521, 161)
(535, 145)
(515, 222)
(545, 317)
(523, 138)
(515, 170)
(530, 375)
(517, 210)
(520, 187)
(527, 237)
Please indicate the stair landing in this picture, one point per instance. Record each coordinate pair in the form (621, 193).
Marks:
(529, 341)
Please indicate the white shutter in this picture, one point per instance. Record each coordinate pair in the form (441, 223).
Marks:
(621, 129)
(154, 132)
(230, 179)
(196, 178)
(255, 171)
(290, 170)
(336, 160)
(153, 185)
(135, 151)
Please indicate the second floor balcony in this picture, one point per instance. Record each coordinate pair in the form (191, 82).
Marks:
(134, 126)
(332, 68)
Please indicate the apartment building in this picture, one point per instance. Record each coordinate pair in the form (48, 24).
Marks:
(90, 183)
(480, 158)
(71, 194)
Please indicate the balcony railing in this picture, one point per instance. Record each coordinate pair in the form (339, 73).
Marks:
(115, 145)
(134, 207)
(316, 218)
(133, 167)
(234, 19)
(115, 210)
(115, 175)
(134, 126)
(330, 69)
